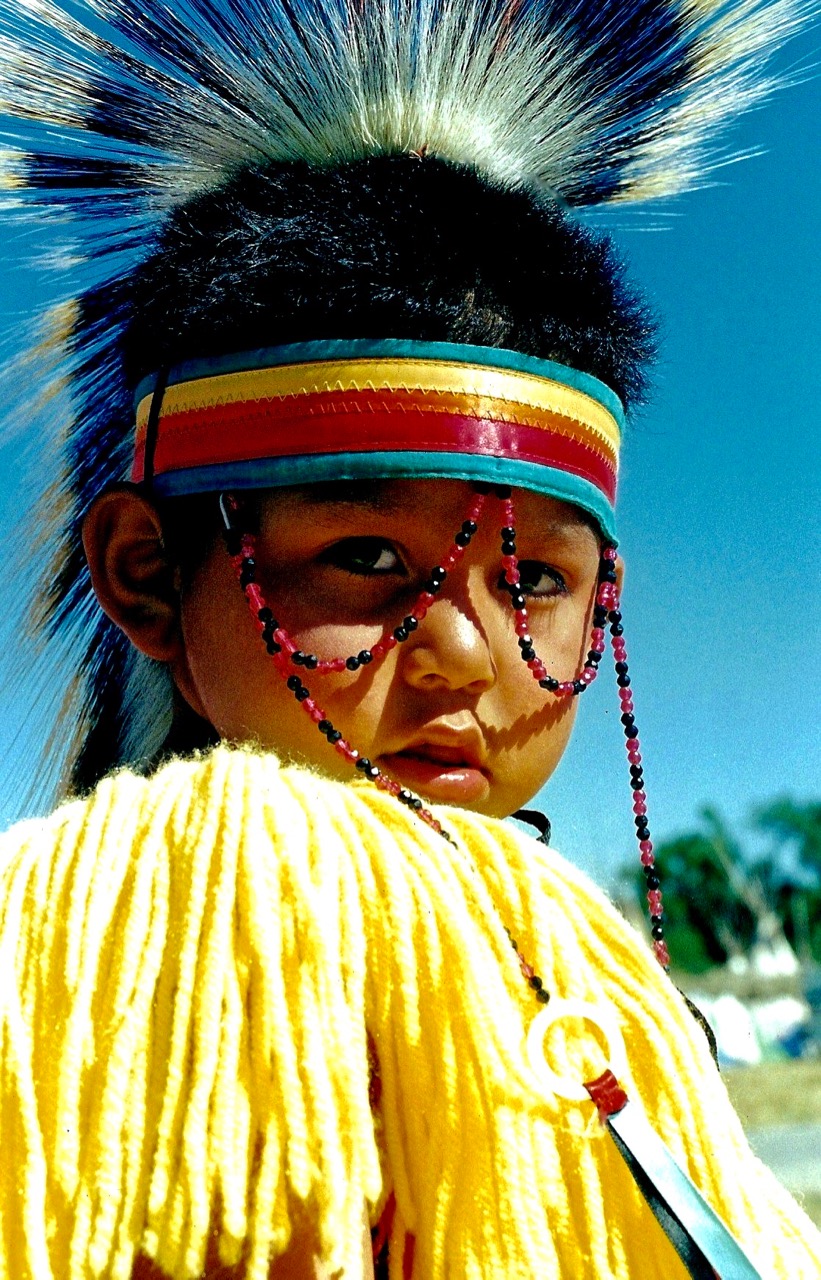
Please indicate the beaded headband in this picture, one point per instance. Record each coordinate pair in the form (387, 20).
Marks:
(362, 409)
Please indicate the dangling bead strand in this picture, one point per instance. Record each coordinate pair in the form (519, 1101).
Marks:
(512, 576)
(241, 551)
(633, 746)
(399, 634)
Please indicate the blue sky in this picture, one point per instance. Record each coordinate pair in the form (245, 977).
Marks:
(720, 505)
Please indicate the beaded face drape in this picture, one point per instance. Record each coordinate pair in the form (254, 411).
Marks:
(289, 660)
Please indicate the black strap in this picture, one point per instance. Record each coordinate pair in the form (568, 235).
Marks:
(153, 427)
(534, 818)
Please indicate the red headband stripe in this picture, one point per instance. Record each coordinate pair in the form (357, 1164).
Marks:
(334, 422)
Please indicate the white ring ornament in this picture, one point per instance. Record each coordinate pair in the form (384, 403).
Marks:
(602, 1017)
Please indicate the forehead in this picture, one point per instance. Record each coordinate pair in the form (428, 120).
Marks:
(422, 500)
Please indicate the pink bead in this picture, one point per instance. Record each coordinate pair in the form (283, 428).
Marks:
(565, 687)
(527, 969)
(648, 858)
(254, 596)
(639, 808)
(521, 628)
(390, 642)
(437, 826)
(346, 751)
(378, 650)
(587, 676)
(625, 699)
(597, 646)
(427, 598)
(609, 553)
(509, 562)
(646, 847)
(418, 613)
(539, 670)
(654, 901)
(512, 577)
(533, 664)
(662, 954)
(316, 713)
(450, 560)
(641, 796)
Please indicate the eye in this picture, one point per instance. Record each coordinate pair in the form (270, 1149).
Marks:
(363, 556)
(538, 580)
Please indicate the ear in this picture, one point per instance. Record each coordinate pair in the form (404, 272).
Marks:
(130, 572)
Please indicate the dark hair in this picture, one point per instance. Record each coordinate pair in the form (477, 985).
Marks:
(390, 247)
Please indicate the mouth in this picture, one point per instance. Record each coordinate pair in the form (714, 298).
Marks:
(445, 773)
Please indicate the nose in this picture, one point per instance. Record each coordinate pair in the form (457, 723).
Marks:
(451, 650)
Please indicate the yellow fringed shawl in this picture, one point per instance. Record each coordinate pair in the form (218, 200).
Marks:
(191, 966)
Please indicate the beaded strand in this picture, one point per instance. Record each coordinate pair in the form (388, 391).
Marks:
(241, 549)
(512, 577)
(399, 634)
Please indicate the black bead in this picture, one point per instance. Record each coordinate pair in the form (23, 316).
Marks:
(405, 796)
(508, 533)
(298, 658)
(517, 600)
(508, 548)
(609, 576)
(502, 490)
(481, 486)
(334, 735)
(233, 542)
(311, 661)
(579, 686)
(637, 784)
(294, 683)
(657, 919)
(352, 663)
(549, 682)
(265, 615)
(273, 647)
(653, 882)
(325, 727)
(621, 668)
(400, 634)
(462, 539)
(525, 642)
(372, 773)
(543, 996)
(410, 623)
(528, 654)
(301, 694)
(363, 763)
(438, 576)
(636, 771)
(657, 932)
(365, 656)
(623, 682)
(628, 718)
(593, 658)
(469, 527)
(616, 629)
(415, 803)
(246, 575)
(630, 731)
(536, 982)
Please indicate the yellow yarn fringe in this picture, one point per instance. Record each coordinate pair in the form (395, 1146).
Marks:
(191, 966)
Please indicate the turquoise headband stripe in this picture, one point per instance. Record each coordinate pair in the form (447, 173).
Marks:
(390, 349)
(277, 473)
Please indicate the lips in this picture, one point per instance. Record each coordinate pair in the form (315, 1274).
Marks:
(448, 771)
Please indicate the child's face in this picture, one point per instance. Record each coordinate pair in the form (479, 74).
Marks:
(453, 713)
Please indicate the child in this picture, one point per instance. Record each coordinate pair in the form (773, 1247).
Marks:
(286, 975)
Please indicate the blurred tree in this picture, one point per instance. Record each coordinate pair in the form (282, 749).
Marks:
(719, 901)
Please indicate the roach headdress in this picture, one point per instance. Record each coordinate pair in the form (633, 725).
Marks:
(356, 209)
